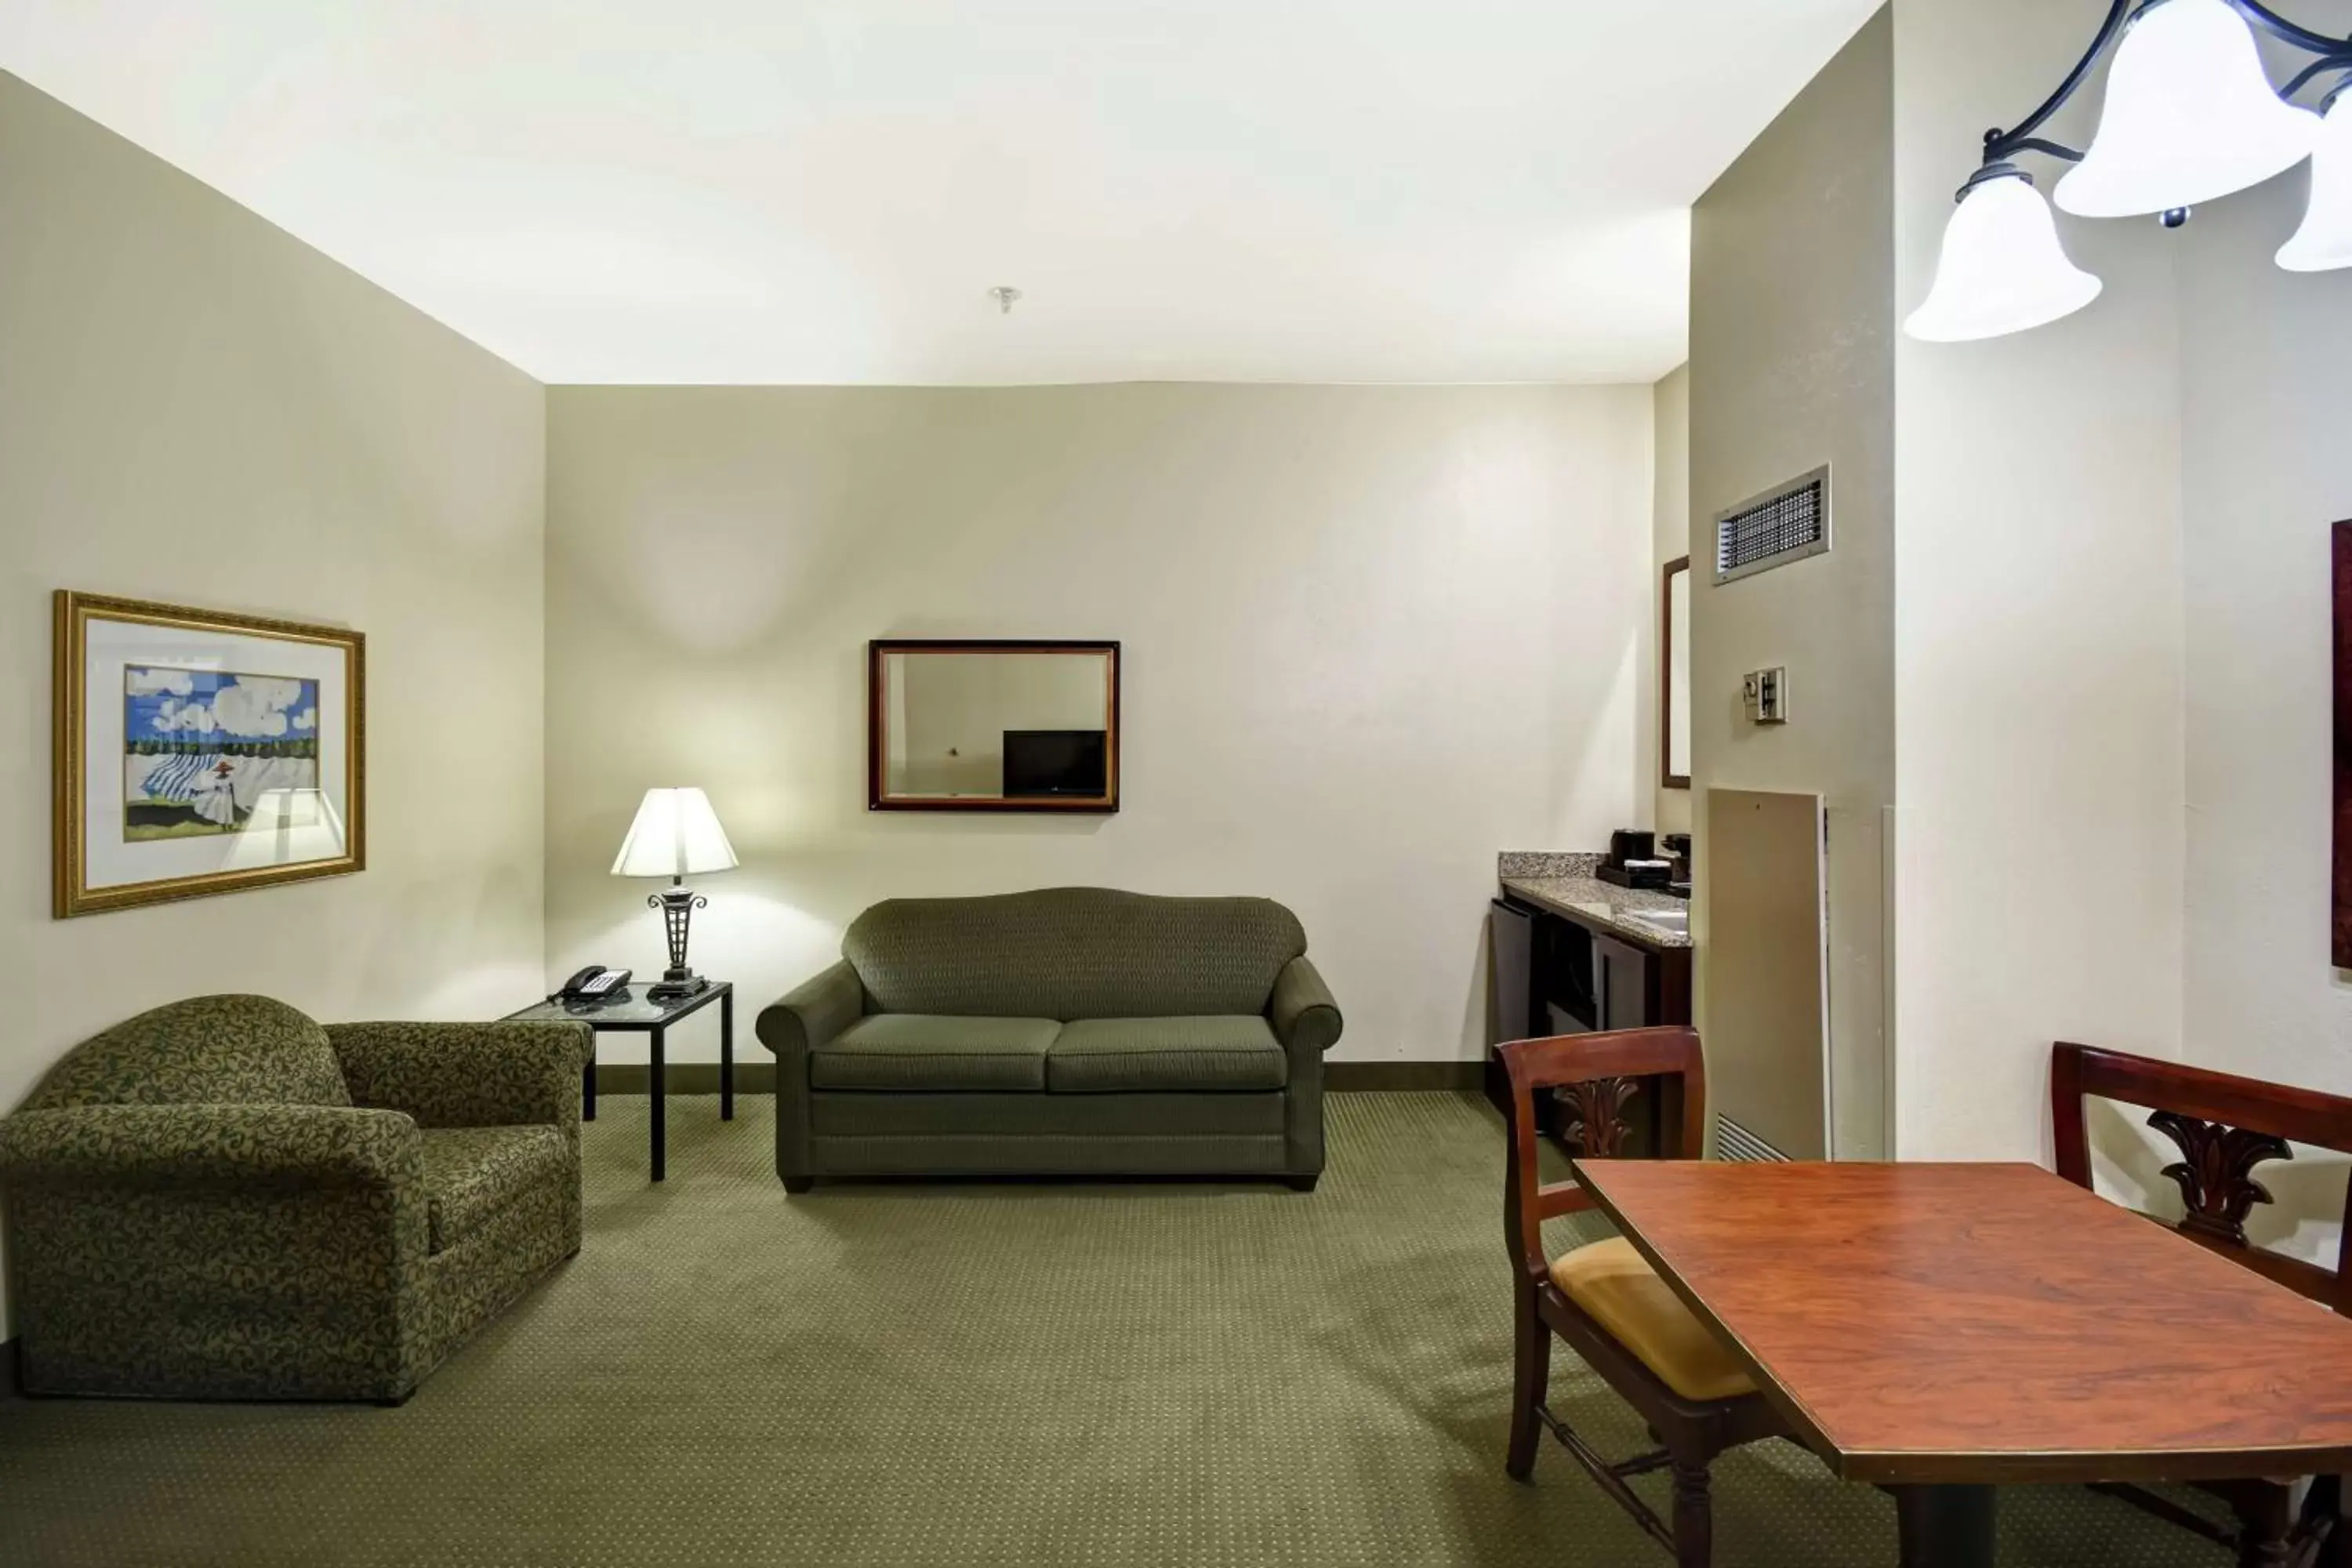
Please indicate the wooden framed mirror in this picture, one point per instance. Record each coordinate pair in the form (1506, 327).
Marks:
(992, 725)
(1674, 677)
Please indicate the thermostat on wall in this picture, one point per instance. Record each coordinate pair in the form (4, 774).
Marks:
(1767, 693)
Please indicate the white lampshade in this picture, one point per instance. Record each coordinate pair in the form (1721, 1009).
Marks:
(2003, 269)
(675, 834)
(2189, 117)
(2325, 241)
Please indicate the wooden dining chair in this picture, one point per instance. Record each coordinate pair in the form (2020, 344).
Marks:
(1610, 1306)
(2225, 1126)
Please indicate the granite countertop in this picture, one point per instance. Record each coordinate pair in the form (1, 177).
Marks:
(1565, 885)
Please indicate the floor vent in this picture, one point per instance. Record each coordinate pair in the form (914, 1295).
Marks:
(1733, 1141)
(1783, 525)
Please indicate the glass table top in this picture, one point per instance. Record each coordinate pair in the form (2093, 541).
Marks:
(629, 1006)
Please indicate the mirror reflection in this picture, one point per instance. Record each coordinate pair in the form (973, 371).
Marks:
(1674, 708)
(980, 725)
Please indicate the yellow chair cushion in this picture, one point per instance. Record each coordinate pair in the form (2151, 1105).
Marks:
(1616, 1287)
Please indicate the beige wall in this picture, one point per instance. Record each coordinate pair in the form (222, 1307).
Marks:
(2150, 701)
(1371, 637)
(1791, 367)
(2110, 711)
(1669, 540)
(2264, 411)
(193, 408)
(2038, 637)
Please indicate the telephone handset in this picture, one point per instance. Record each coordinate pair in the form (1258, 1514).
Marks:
(593, 983)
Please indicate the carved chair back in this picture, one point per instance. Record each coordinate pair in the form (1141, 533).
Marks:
(1596, 1074)
(2224, 1127)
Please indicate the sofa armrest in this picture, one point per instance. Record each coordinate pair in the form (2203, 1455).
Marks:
(258, 1146)
(810, 1015)
(466, 1075)
(1304, 1018)
(792, 1026)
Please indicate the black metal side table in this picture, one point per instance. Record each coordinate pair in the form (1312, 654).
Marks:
(631, 1012)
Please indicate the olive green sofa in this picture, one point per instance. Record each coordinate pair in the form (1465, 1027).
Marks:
(1062, 1031)
(220, 1199)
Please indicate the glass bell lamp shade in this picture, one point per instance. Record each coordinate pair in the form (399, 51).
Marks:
(2002, 270)
(2325, 241)
(2189, 117)
(675, 834)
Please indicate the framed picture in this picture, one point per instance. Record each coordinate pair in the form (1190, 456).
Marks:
(2340, 935)
(992, 724)
(201, 753)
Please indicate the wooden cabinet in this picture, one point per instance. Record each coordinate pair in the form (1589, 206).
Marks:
(1554, 974)
(1641, 987)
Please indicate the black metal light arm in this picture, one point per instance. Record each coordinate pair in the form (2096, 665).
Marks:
(2001, 147)
(2278, 26)
(2335, 62)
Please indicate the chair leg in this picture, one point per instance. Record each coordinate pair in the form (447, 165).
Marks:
(1531, 1382)
(2265, 1526)
(1693, 1517)
(2324, 1509)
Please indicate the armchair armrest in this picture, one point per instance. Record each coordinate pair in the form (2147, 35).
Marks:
(1302, 1011)
(466, 1075)
(176, 1146)
(220, 1250)
(811, 1014)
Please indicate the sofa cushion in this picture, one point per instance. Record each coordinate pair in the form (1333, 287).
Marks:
(1112, 1056)
(207, 1050)
(1072, 953)
(924, 1051)
(850, 1117)
(472, 1173)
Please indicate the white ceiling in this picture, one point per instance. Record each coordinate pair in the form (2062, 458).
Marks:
(822, 190)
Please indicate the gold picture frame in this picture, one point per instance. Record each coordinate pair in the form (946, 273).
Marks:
(253, 800)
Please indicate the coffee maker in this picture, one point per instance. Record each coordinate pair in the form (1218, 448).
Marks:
(1633, 860)
(1676, 848)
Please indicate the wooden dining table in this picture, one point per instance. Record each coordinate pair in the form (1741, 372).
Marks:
(1938, 1329)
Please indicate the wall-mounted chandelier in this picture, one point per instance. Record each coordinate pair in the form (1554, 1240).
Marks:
(2190, 116)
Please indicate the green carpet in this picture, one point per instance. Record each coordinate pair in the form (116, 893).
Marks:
(924, 1374)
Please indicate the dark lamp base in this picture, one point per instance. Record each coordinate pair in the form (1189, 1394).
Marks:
(678, 983)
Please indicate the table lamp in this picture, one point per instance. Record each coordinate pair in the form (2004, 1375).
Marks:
(676, 835)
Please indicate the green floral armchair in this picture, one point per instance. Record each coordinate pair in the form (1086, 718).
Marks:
(221, 1199)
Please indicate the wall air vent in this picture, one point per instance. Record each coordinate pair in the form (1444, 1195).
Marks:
(1785, 523)
(1733, 1141)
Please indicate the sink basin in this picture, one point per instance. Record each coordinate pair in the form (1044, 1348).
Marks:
(1675, 921)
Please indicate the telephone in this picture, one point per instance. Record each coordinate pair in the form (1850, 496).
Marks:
(593, 983)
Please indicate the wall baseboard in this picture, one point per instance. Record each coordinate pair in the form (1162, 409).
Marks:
(760, 1078)
(1346, 1078)
(685, 1078)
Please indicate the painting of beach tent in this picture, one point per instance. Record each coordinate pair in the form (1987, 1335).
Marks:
(202, 752)
(201, 748)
